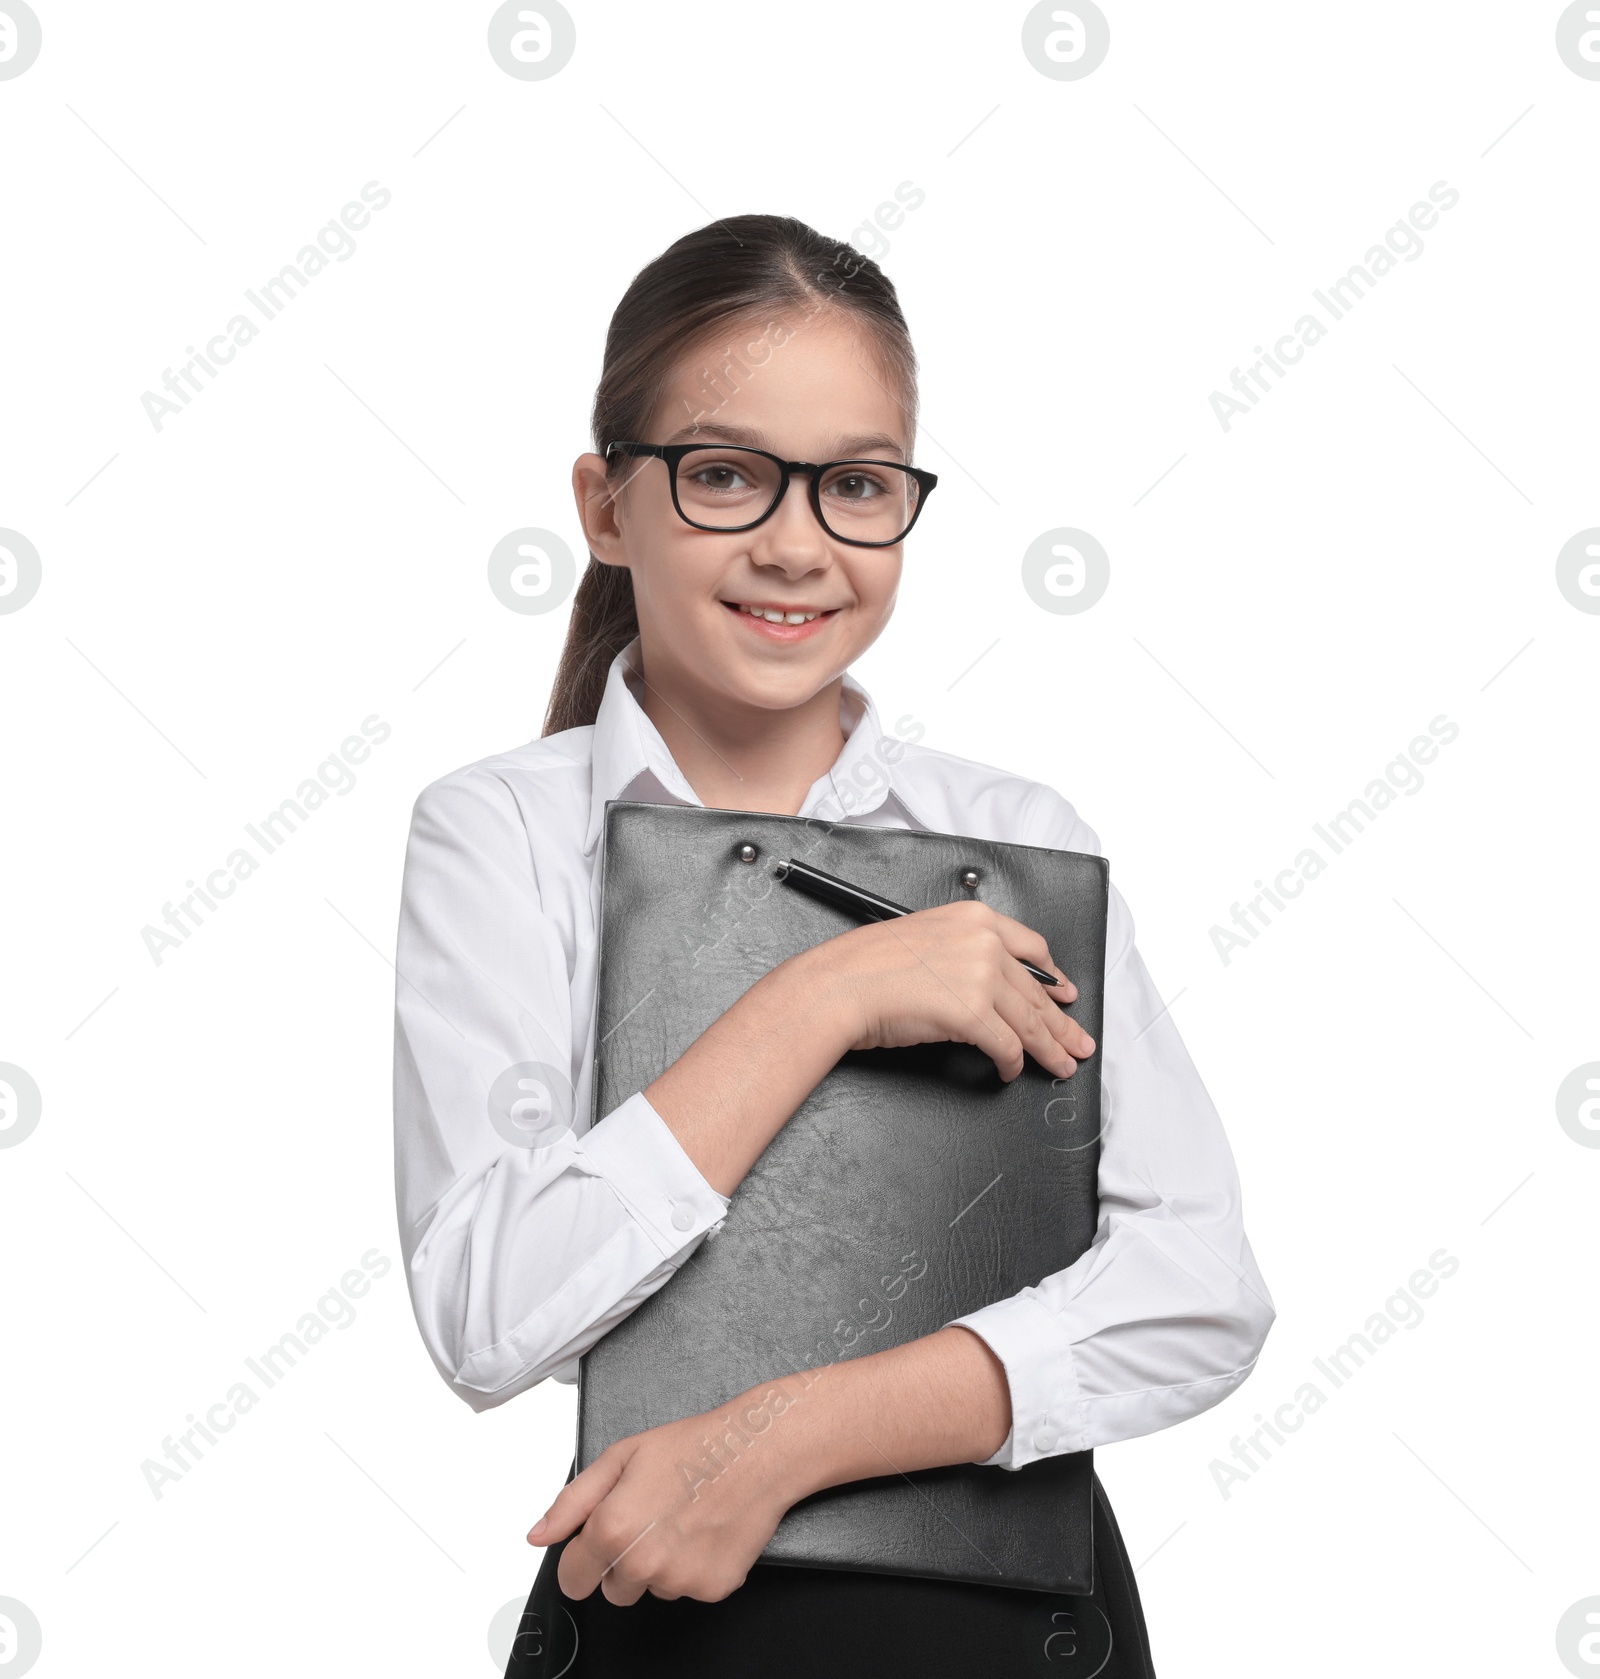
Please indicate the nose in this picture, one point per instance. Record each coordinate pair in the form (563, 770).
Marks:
(791, 539)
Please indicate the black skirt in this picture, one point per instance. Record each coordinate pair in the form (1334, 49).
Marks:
(798, 1623)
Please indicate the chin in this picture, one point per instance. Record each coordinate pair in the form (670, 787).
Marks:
(779, 687)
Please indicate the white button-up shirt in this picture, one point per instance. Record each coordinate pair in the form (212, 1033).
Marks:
(519, 1259)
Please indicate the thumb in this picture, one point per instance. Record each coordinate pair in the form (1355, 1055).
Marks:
(577, 1499)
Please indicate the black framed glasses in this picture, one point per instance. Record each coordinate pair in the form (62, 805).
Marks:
(728, 487)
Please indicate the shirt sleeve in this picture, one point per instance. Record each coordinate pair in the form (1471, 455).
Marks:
(1166, 1312)
(518, 1258)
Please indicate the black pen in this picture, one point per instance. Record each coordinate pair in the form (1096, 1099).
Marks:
(859, 901)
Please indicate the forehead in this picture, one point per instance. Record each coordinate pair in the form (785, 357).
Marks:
(788, 383)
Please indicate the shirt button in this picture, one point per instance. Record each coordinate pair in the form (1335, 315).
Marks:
(1045, 1440)
(682, 1218)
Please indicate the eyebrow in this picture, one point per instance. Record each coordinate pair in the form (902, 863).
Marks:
(848, 447)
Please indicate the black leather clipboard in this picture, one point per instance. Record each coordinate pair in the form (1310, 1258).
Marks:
(911, 1187)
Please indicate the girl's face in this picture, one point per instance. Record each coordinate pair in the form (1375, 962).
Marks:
(819, 395)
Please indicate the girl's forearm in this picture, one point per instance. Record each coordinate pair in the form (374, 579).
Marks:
(941, 1399)
(735, 1087)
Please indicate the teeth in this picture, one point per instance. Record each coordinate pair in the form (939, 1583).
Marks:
(773, 616)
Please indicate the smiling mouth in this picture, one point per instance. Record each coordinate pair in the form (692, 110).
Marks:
(780, 614)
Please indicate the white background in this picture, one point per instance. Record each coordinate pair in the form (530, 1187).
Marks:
(225, 599)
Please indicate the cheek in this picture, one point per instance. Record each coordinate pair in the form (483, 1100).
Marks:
(876, 587)
(675, 572)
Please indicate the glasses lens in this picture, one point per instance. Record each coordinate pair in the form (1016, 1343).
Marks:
(726, 487)
(868, 501)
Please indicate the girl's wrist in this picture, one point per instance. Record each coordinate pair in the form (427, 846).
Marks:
(759, 1434)
(815, 1439)
(941, 1399)
(813, 996)
(793, 1435)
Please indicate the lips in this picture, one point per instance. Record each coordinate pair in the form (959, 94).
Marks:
(781, 620)
(776, 614)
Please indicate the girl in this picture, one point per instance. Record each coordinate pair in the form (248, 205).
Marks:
(745, 512)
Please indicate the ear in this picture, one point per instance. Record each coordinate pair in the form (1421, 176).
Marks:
(595, 494)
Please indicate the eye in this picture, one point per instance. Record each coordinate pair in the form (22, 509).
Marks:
(718, 476)
(857, 486)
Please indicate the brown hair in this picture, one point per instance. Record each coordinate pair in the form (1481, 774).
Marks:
(727, 271)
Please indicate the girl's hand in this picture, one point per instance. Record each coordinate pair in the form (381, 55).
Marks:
(659, 1513)
(950, 974)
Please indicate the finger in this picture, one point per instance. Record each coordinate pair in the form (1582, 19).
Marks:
(619, 1591)
(1066, 991)
(588, 1562)
(1000, 1041)
(1045, 1048)
(1028, 946)
(1026, 1030)
(1024, 1003)
(1066, 1031)
(576, 1501)
(1069, 1033)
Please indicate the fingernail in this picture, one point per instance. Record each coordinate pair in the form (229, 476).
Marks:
(1090, 1042)
(538, 1526)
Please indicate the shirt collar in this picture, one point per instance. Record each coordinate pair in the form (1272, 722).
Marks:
(631, 760)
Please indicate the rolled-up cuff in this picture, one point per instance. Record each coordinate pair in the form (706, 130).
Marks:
(1047, 1415)
(635, 1151)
